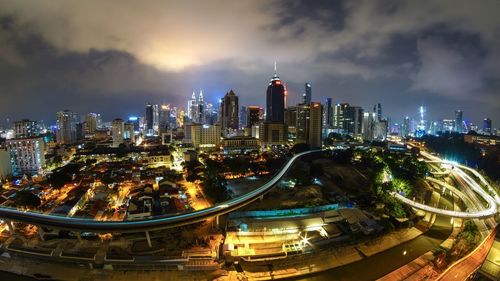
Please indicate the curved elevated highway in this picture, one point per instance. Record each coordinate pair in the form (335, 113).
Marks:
(492, 203)
(90, 225)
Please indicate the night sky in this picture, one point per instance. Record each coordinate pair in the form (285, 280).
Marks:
(112, 57)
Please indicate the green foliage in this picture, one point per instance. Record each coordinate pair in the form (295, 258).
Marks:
(216, 188)
(26, 198)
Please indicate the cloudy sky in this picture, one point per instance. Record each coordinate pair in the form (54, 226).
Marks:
(112, 57)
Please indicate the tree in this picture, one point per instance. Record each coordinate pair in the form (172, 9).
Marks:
(26, 198)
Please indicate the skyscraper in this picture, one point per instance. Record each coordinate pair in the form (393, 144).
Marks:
(368, 126)
(275, 100)
(307, 93)
(302, 123)
(487, 126)
(149, 119)
(352, 123)
(92, 122)
(244, 117)
(66, 127)
(328, 109)
(459, 127)
(27, 155)
(315, 125)
(117, 131)
(200, 118)
(406, 127)
(253, 116)
(338, 116)
(229, 106)
(378, 110)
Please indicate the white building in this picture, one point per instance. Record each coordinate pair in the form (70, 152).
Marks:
(5, 165)
(26, 156)
(206, 137)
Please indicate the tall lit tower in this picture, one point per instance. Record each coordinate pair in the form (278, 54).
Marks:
(307, 93)
(201, 109)
(459, 121)
(275, 100)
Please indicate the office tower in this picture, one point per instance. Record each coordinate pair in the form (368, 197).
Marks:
(422, 123)
(307, 93)
(328, 113)
(164, 118)
(27, 156)
(117, 131)
(380, 130)
(192, 108)
(368, 126)
(149, 119)
(275, 100)
(338, 116)
(66, 127)
(243, 117)
(25, 129)
(230, 112)
(487, 126)
(129, 131)
(315, 125)
(459, 128)
(135, 121)
(205, 137)
(352, 122)
(405, 128)
(92, 123)
(378, 111)
(302, 123)
(254, 115)
(200, 118)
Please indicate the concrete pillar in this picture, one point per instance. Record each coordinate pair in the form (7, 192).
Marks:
(41, 232)
(149, 239)
(79, 237)
(261, 197)
(10, 225)
(217, 220)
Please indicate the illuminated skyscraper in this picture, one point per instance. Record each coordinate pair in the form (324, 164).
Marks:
(25, 129)
(254, 115)
(275, 100)
(307, 93)
(487, 126)
(229, 106)
(459, 127)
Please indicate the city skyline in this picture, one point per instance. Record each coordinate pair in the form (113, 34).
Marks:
(398, 61)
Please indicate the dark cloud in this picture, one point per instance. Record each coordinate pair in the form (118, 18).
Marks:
(114, 56)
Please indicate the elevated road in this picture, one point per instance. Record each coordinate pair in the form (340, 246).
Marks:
(90, 225)
(472, 186)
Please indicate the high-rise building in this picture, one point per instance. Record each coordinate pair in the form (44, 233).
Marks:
(302, 123)
(352, 123)
(243, 117)
(206, 137)
(200, 118)
(275, 100)
(487, 126)
(368, 126)
(307, 93)
(459, 127)
(117, 131)
(5, 164)
(164, 118)
(254, 115)
(272, 133)
(380, 130)
(230, 112)
(315, 125)
(26, 155)
(66, 127)
(328, 113)
(129, 131)
(338, 116)
(406, 127)
(149, 119)
(25, 129)
(92, 123)
(378, 111)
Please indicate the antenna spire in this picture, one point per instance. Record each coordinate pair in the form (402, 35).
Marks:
(275, 64)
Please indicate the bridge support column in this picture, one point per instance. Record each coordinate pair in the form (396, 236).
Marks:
(11, 228)
(41, 232)
(149, 239)
(217, 221)
(78, 237)
(261, 197)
